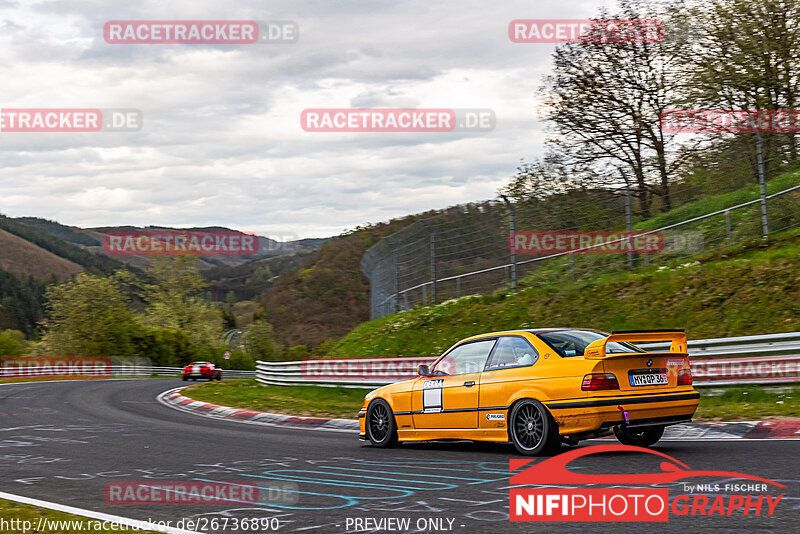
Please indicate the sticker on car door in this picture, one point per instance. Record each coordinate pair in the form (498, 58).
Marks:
(432, 395)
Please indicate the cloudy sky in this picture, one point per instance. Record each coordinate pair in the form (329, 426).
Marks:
(222, 142)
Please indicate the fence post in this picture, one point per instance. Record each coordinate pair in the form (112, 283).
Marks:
(396, 282)
(628, 221)
(762, 184)
(433, 268)
(512, 228)
(728, 227)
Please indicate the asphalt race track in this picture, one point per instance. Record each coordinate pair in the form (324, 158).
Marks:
(64, 441)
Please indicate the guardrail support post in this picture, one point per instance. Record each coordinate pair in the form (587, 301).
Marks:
(571, 265)
(728, 227)
(433, 268)
(762, 184)
(512, 224)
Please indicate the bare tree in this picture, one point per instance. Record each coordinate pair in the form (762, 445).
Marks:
(746, 56)
(605, 100)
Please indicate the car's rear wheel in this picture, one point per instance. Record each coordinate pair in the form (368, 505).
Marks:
(532, 429)
(185, 378)
(640, 437)
(380, 424)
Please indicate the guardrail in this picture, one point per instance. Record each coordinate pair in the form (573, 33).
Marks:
(112, 371)
(764, 359)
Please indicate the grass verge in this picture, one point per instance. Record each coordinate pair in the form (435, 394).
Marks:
(749, 404)
(311, 401)
(25, 518)
(730, 404)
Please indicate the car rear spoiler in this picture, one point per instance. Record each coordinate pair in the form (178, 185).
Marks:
(677, 338)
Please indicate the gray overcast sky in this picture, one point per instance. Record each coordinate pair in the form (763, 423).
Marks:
(222, 142)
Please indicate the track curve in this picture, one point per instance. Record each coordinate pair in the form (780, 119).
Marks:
(64, 441)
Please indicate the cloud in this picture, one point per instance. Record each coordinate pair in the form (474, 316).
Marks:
(222, 142)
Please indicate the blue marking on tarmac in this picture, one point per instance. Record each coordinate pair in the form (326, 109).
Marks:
(403, 485)
(475, 480)
(441, 485)
(351, 501)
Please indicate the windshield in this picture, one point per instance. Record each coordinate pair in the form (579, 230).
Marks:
(570, 343)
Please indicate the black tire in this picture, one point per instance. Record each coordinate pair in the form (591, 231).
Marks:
(380, 426)
(532, 429)
(640, 437)
(185, 379)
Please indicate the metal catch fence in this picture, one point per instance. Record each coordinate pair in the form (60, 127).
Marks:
(468, 249)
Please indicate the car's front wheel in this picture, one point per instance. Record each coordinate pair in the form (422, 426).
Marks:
(380, 424)
(640, 437)
(532, 429)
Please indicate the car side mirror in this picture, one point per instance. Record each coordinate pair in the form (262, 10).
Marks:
(423, 370)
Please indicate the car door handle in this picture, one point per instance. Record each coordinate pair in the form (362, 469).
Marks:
(470, 383)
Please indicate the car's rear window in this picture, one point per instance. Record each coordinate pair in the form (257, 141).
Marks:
(568, 343)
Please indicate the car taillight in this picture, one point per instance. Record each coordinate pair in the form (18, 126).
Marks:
(685, 377)
(599, 381)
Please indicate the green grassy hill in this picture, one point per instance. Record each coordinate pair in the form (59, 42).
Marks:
(750, 289)
(746, 287)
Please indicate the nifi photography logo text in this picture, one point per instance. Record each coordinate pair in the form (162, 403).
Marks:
(538, 496)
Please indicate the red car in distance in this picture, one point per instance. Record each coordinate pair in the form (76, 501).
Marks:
(205, 370)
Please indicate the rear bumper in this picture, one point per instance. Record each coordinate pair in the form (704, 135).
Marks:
(601, 414)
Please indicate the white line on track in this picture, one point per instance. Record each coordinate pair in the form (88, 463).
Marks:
(99, 516)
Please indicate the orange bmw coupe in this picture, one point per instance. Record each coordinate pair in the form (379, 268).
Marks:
(538, 389)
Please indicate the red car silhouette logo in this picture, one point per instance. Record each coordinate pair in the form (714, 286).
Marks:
(554, 470)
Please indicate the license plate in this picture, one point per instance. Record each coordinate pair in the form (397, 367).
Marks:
(649, 379)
